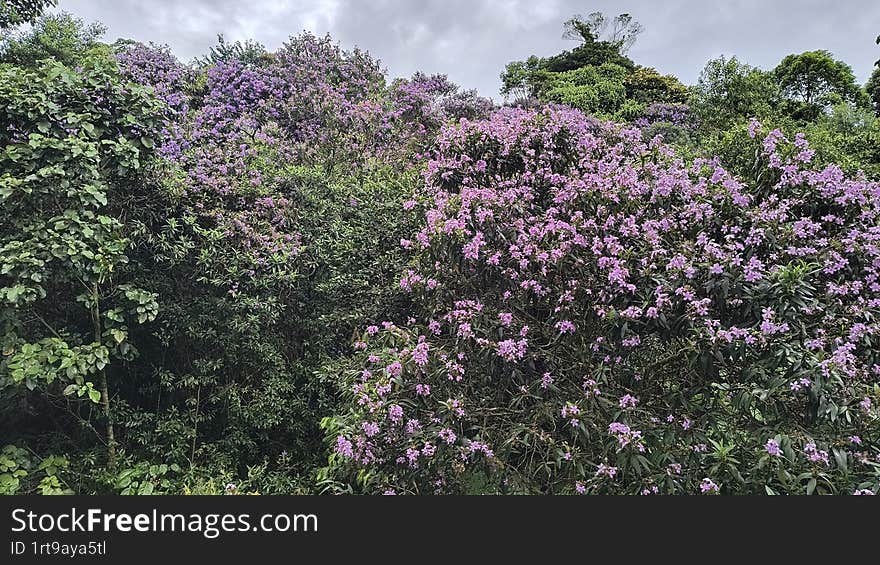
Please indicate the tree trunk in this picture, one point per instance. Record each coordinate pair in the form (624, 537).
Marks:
(111, 436)
(102, 383)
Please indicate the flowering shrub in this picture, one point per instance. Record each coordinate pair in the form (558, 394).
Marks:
(267, 196)
(676, 124)
(156, 67)
(598, 316)
(419, 106)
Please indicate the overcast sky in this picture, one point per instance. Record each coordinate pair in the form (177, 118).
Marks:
(472, 40)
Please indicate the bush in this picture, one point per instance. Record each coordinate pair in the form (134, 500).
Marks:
(598, 316)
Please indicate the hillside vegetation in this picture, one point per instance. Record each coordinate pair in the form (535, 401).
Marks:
(284, 272)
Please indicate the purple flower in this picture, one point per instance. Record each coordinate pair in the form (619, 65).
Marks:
(626, 436)
(447, 435)
(512, 350)
(800, 384)
(395, 413)
(370, 428)
(754, 127)
(606, 471)
(480, 447)
(708, 485)
(628, 401)
(420, 352)
(814, 454)
(344, 447)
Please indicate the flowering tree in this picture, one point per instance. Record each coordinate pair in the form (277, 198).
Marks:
(599, 316)
(275, 176)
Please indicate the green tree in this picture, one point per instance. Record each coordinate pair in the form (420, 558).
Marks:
(849, 137)
(729, 91)
(593, 53)
(518, 78)
(524, 79)
(17, 12)
(74, 137)
(59, 36)
(872, 87)
(814, 81)
(595, 90)
(646, 85)
(249, 52)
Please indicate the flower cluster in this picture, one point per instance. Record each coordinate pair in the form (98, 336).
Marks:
(679, 115)
(672, 304)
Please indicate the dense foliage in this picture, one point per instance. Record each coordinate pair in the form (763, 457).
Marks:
(16, 12)
(75, 139)
(601, 317)
(281, 272)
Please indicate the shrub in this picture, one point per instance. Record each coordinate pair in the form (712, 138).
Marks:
(596, 315)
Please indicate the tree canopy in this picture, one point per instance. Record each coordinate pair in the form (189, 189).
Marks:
(59, 36)
(817, 80)
(872, 87)
(623, 31)
(17, 12)
(596, 76)
(729, 90)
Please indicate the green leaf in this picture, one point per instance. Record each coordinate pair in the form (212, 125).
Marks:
(94, 396)
(118, 335)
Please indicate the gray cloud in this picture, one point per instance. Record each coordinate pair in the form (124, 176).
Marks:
(472, 40)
